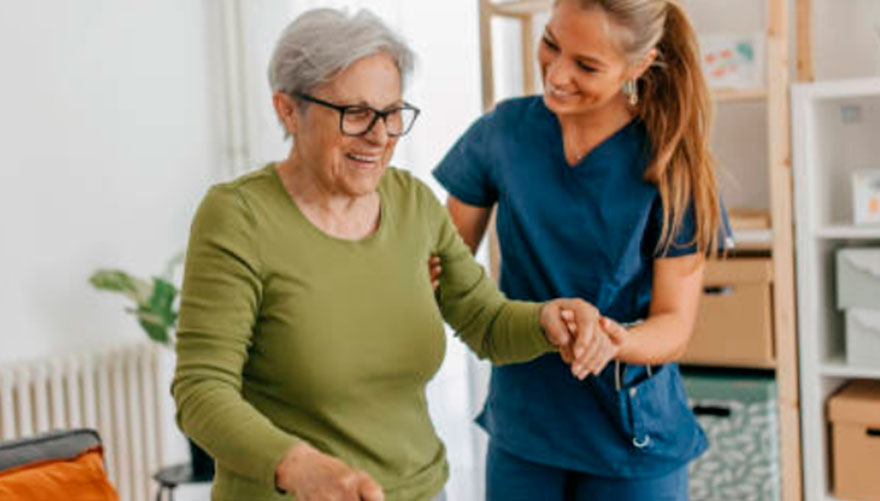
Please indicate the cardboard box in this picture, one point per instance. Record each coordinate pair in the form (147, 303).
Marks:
(854, 413)
(735, 323)
(858, 278)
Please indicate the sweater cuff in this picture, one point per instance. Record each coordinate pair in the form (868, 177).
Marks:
(527, 313)
(275, 450)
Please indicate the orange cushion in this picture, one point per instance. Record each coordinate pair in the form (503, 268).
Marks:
(80, 479)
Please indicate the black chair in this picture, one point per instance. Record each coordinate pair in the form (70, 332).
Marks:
(54, 445)
(201, 469)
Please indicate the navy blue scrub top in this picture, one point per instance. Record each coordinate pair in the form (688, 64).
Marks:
(588, 231)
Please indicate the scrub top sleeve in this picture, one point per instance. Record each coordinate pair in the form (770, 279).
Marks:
(684, 242)
(466, 170)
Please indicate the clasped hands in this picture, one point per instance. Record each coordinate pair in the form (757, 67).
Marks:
(587, 341)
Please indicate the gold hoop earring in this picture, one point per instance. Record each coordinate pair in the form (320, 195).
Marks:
(631, 89)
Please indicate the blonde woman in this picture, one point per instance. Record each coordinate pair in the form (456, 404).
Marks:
(606, 191)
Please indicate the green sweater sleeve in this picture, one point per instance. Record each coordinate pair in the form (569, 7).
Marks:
(494, 327)
(219, 304)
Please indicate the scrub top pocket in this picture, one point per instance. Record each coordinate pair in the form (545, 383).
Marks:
(661, 422)
(652, 413)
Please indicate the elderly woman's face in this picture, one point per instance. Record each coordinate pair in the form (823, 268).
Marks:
(350, 165)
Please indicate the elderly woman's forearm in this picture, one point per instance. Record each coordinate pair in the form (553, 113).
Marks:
(213, 413)
(510, 332)
(494, 327)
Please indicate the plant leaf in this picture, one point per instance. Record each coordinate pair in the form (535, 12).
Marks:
(155, 327)
(132, 287)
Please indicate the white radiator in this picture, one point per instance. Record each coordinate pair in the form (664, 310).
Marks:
(117, 392)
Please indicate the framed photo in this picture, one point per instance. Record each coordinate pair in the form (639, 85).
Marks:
(733, 61)
(866, 196)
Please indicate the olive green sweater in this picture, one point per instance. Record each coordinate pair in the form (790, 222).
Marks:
(287, 334)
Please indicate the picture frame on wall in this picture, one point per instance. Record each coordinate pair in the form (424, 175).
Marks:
(866, 196)
(733, 61)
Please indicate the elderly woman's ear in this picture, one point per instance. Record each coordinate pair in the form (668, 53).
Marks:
(285, 108)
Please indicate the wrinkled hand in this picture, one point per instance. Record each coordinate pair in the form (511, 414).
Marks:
(558, 331)
(573, 333)
(593, 355)
(585, 341)
(434, 270)
(311, 475)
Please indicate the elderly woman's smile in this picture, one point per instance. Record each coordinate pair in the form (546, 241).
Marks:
(365, 160)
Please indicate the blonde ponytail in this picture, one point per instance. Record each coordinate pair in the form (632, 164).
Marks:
(677, 111)
(675, 105)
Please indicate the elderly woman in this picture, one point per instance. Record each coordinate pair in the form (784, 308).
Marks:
(308, 326)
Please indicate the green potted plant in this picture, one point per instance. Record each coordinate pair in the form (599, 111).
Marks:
(154, 301)
(155, 308)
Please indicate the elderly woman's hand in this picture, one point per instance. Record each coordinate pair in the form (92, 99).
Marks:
(574, 326)
(605, 346)
(311, 475)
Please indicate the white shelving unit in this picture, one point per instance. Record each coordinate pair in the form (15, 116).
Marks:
(836, 129)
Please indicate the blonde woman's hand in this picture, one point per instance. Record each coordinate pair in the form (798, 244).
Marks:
(310, 475)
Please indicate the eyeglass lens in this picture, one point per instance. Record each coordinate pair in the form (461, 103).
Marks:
(358, 120)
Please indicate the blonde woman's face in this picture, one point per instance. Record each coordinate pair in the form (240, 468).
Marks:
(582, 67)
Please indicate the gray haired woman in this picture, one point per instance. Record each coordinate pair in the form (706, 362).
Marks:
(309, 327)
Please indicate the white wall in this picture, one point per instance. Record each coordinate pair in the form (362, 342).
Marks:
(846, 38)
(108, 141)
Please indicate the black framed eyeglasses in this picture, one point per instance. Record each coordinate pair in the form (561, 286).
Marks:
(357, 120)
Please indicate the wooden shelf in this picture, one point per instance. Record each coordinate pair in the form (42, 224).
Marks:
(837, 367)
(849, 232)
(738, 95)
(852, 88)
(748, 219)
(830, 497)
(753, 239)
(728, 364)
(521, 8)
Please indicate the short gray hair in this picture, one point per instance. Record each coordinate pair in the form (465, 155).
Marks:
(321, 43)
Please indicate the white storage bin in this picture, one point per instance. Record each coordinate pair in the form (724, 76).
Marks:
(863, 338)
(858, 278)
